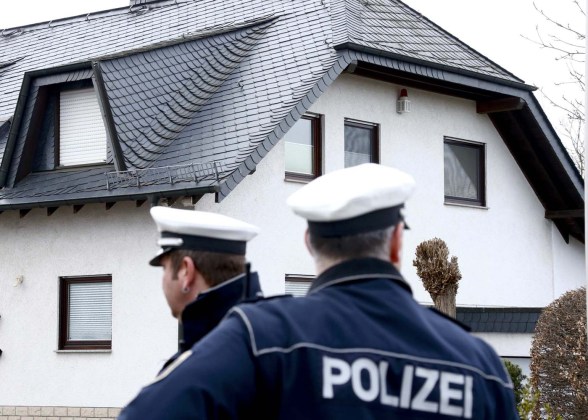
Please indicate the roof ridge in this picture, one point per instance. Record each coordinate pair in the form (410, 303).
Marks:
(205, 32)
(31, 27)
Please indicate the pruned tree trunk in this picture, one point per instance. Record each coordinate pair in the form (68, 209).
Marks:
(446, 302)
(440, 274)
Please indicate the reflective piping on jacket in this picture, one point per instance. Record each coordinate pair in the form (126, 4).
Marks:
(181, 358)
(257, 352)
(356, 277)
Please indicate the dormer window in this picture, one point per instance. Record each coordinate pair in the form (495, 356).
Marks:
(82, 136)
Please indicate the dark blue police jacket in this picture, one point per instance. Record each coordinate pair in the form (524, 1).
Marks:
(357, 347)
(210, 307)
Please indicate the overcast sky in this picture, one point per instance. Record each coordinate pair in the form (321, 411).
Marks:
(494, 28)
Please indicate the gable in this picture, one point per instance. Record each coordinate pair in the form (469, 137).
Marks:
(193, 96)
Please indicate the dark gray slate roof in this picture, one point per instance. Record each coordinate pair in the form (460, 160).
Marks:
(499, 320)
(393, 28)
(194, 94)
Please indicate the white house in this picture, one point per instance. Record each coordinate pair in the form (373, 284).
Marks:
(229, 106)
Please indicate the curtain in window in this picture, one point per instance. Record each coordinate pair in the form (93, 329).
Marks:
(299, 148)
(461, 171)
(358, 145)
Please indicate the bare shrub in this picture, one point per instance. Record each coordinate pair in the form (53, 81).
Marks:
(558, 357)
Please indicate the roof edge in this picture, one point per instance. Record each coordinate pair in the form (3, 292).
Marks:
(249, 164)
(374, 51)
(109, 124)
(138, 195)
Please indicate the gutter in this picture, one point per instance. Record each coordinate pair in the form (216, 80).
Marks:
(106, 199)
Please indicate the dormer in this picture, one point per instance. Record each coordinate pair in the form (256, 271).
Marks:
(59, 124)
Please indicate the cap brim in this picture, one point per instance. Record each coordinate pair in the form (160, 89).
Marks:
(156, 261)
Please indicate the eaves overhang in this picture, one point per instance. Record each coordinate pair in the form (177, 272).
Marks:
(350, 46)
(132, 194)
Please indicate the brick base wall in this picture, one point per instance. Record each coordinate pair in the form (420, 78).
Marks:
(58, 413)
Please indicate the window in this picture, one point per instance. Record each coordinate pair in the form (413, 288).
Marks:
(82, 136)
(464, 172)
(297, 285)
(303, 144)
(361, 143)
(85, 312)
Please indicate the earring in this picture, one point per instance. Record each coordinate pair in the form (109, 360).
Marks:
(185, 290)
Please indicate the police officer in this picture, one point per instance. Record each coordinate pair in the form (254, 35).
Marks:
(204, 268)
(357, 347)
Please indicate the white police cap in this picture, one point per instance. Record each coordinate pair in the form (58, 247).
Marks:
(199, 231)
(353, 200)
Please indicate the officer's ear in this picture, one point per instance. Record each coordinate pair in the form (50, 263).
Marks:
(396, 245)
(187, 272)
(307, 242)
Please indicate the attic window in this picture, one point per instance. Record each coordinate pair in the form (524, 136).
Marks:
(82, 136)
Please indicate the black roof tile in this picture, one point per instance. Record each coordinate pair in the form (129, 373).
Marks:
(499, 320)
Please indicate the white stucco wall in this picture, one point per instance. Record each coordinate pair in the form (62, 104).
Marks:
(94, 241)
(509, 254)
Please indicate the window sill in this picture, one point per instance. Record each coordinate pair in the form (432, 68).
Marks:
(299, 179)
(472, 206)
(85, 351)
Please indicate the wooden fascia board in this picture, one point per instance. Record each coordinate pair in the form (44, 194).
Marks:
(564, 214)
(499, 105)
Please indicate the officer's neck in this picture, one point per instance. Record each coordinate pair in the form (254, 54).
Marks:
(323, 264)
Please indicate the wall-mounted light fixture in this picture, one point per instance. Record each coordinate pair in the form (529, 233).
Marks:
(403, 103)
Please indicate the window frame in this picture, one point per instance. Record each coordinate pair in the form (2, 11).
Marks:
(317, 136)
(56, 91)
(375, 137)
(480, 201)
(64, 343)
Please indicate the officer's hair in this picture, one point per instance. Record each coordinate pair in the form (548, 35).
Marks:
(374, 244)
(215, 267)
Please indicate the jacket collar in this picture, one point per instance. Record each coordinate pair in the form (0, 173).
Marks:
(210, 307)
(356, 270)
